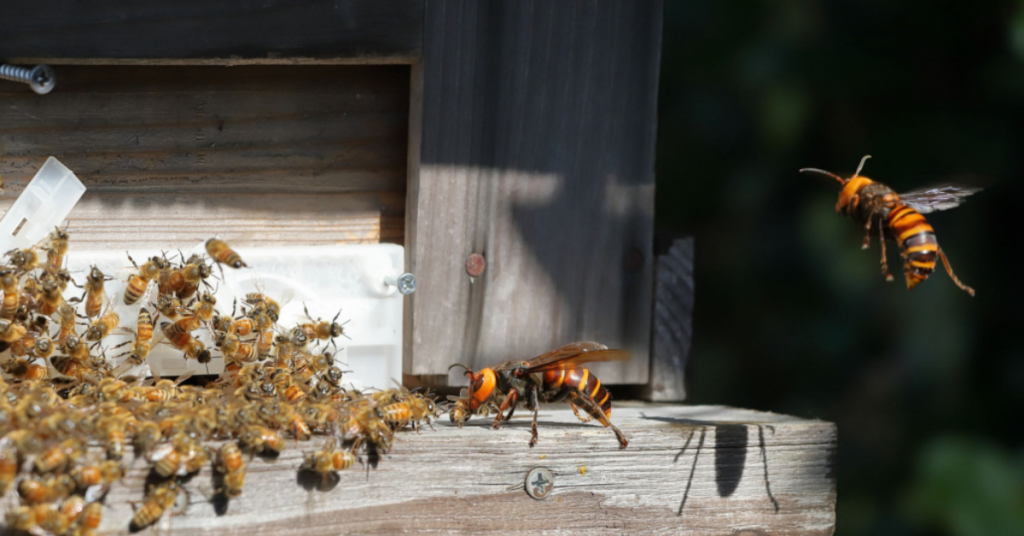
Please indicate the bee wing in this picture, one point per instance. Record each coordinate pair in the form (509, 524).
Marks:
(937, 198)
(160, 452)
(573, 354)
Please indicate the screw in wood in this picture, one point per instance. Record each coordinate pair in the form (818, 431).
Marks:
(41, 77)
(475, 265)
(539, 482)
(406, 283)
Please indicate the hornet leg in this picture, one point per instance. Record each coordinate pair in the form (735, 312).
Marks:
(576, 410)
(510, 401)
(949, 270)
(885, 262)
(867, 235)
(591, 407)
(536, 407)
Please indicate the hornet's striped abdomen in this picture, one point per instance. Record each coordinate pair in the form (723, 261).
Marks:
(580, 379)
(917, 242)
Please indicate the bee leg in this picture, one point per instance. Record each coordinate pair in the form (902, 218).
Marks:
(885, 262)
(509, 402)
(949, 270)
(592, 407)
(867, 235)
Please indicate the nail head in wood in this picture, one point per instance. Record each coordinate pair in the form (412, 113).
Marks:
(475, 265)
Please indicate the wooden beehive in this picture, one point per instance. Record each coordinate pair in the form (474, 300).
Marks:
(520, 131)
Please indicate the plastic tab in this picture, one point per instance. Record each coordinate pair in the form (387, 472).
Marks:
(45, 203)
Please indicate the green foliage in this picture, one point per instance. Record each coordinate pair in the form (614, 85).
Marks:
(968, 487)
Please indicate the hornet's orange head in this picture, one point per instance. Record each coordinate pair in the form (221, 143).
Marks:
(481, 385)
(848, 198)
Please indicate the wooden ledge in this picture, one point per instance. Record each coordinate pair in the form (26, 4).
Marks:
(688, 470)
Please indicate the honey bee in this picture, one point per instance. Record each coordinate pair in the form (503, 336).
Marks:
(51, 295)
(106, 473)
(899, 218)
(184, 341)
(322, 330)
(206, 308)
(194, 273)
(56, 247)
(72, 507)
(12, 298)
(25, 345)
(147, 434)
(328, 460)
(265, 344)
(25, 370)
(10, 331)
(103, 326)
(66, 315)
(366, 424)
(25, 260)
(413, 408)
(264, 310)
(138, 283)
(229, 462)
(94, 295)
(90, 518)
(551, 377)
(74, 348)
(221, 253)
(44, 348)
(112, 430)
(262, 439)
(141, 346)
(165, 390)
(243, 326)
(235, 350)
(169, 459)
(9, 466)
(56, 457)
(158, 500)
(168, 306)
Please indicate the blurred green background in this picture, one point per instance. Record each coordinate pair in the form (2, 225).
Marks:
(926, 386)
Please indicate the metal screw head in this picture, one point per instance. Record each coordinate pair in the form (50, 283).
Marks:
(475, 265)
(405, 283)
(539, 482)
(42, 79)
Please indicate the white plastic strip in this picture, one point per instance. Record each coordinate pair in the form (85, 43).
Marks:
(45, 203)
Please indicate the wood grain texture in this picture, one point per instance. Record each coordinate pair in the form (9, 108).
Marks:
(688, 470)
(229, 32)
(673, 323)
(537, 152)
(279, 155)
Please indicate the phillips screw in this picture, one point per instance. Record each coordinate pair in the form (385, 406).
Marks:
(41, 77)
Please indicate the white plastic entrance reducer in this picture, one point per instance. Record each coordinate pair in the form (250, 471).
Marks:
(364, 283)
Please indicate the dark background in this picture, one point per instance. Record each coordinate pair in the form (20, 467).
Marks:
(792, 316)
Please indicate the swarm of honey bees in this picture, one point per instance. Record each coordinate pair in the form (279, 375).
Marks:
(69, 411)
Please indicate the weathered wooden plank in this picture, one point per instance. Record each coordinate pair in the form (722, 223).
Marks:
(289, 155)
(688, 470)
(537, 153)
(234, 32)
(673, 323)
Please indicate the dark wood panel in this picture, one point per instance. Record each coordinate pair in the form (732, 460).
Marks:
(538, 153)
(235, 31)
(324, 146)
(673, 322)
